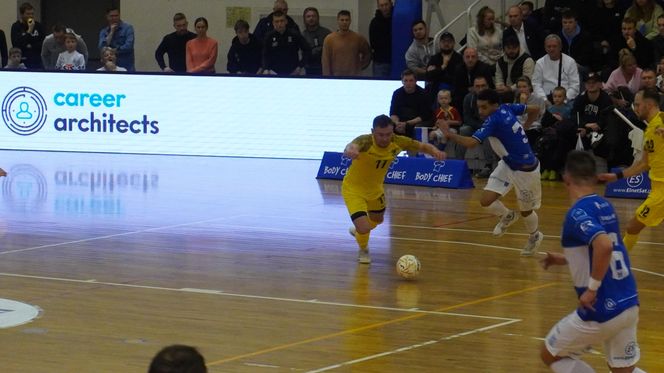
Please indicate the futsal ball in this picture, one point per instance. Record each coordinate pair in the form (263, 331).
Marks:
(408, 266)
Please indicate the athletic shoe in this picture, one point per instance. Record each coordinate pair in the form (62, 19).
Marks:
(505, 222)
(363, 256)
(553, 176)
(533, 244)
(545, 175)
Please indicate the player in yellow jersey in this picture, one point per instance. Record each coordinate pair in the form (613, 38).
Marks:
(651, 211)
(362, 187)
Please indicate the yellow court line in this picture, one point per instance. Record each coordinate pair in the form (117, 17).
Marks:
(378, 325)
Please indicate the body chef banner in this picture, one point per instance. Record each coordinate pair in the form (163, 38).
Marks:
(187, 115)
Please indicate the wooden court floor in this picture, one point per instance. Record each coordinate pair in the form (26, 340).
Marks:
(250, 261)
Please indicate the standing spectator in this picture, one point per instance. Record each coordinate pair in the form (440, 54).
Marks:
(202, 50)
(529, 36)
(345, 52)
(420, 50)
(28, 35)
(109, 59)
(487, 37)
(54, 44)
(645, 13)
(70, 59)
(640, 47)
(606, 25)
(513, 65)
(555, 69)
(284, 49)
(410, 106)
(314, 34)
(3, 49)
(577, 43)
(628, 74)
(440, 72)
(118, 35)
(244, 55)
(266, 24)
(380, 37)
(174, 45)
(466, 73)
(14, 61)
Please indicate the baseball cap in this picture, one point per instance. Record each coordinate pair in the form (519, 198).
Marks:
(447, 35)
(594, 77)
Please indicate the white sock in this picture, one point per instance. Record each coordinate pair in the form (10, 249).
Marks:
(531, 221)
(497, 208)
(568, 365)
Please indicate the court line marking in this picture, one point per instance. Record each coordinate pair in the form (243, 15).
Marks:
(115, 235)
(377, 325)
(250, 296)
(411, 347)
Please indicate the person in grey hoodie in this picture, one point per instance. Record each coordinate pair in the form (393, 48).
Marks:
(420, 50)
(54, 44)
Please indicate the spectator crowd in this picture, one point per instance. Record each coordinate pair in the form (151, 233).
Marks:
(576, 59)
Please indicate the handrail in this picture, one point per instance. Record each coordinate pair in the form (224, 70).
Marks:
(447, 26)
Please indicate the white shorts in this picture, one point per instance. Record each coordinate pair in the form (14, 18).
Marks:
(572, 336)
(527, 184)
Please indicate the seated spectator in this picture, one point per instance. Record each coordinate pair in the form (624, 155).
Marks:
(555, 69)
(560, 109)
(486, 36)
(284, 50)
(660, 73)
(658, 40)
(266, 24)
(345, 52)
(3, 49)
(631, 39)
(513, 65)
(524, 95)
(440, 72)
(605, 29)
(530, 39)
(409, 106)
(174, 45)
(54, 44)
(244, 55)
(178, 359)
(315, 35)
(421, 49)
(628, 75)
(14, 61)
(109, 60)
(645, 13)
(202, 50)
(465, 75)
(448, 113)
(577, 43)
(649, 81)
(480, 159)
(70, 59)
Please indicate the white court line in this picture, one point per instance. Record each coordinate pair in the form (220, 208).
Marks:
(250, 296)
(114, 235)
(412, 347)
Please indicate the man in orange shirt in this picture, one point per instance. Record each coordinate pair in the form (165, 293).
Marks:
(345, 52)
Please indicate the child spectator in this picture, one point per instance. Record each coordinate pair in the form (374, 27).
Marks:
(448, 113)
(70, 59)
(109, 60)
(14, 61)
(560, 110)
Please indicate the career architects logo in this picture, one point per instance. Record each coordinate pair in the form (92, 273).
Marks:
(24, 111)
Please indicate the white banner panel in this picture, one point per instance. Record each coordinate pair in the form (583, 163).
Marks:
(187, 115)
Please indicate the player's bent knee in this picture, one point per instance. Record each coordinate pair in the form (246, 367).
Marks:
(546, 356)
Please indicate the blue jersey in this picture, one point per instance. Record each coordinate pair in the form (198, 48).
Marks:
(507, 137)
(589, 217)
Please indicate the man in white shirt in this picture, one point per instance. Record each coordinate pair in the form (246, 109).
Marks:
(555, 69)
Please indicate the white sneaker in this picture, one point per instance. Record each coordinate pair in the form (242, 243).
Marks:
(352, 231)
(363, 256)
(505, 222)
(533, 244)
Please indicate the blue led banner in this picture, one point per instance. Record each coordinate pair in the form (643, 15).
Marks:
(406, 171)
(637, 186)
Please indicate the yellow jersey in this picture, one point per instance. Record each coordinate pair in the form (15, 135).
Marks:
(367, 172)
(653, 145)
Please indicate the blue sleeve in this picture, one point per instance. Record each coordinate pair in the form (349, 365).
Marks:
(585, 227)
(128, 44)
(517, 109)
(103, 33)
(487, 129)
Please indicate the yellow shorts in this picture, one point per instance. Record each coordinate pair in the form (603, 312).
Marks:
(651, 211)
(359, 205)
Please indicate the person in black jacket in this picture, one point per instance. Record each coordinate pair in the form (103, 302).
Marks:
(244, 55)
(281, 49)
(465, 74)
(441, 68)
(174, 45)
(266, 24)
(28, 35)
(380, 38)
(577, 43)
(3, 49)
(410, 106)
(529, 35)
(632, 39)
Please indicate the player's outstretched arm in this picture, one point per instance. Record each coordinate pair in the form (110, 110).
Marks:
(352, 150)
(2, 172)
(635, 169)
(432, 151)
(468, 142)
